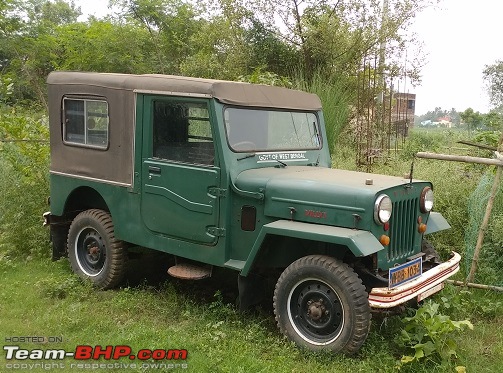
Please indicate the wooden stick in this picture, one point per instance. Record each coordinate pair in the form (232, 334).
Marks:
(481, 146)
(460, 158)
(476, 286)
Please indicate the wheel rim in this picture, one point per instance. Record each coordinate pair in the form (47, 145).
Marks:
(315, 311)
(90, 251)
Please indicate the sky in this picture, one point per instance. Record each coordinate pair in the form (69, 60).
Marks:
(459, 38)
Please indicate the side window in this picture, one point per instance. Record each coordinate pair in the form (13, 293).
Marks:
(85, 122)
(182, 133)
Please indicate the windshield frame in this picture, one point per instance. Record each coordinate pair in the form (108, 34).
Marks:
(318, 129)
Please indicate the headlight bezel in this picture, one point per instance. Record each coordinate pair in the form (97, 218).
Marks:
(426, 200)
(383, 209)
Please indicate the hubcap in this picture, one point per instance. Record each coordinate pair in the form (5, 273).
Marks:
(91, 251)
(315, 311)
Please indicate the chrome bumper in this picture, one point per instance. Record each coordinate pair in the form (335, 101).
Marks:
(388, 298)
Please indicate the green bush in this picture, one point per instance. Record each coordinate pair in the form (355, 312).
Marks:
(24, 186)
(430, 335)
(425, 141)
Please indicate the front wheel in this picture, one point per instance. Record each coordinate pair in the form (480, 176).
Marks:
(93, 250)
(320, 303)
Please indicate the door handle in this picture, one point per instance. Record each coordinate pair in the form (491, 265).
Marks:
(154, 170)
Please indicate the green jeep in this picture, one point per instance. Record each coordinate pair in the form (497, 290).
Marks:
(235, 175)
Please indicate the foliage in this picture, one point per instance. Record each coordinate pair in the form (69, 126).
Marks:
(266, 77)
(493, 75)
(24, 184)
(336, 95)
(6, 87)
(490, 138)
(472, 119)
(474, 304)
(334, 36)
(226, 39)
(420, 141)
(430, 334)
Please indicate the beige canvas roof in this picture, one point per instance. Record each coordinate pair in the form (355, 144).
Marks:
(227, 92)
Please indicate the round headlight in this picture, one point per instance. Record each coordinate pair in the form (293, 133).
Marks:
(382, 209)
(426, 202)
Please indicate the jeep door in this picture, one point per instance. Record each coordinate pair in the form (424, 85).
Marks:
(179, 174)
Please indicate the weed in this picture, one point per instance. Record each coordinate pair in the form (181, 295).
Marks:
(430, 334)
(61, 287)
(460, 302)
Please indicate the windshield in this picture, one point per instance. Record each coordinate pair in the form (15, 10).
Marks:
(252, 130)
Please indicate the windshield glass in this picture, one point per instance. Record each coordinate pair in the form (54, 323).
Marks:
(252, 130)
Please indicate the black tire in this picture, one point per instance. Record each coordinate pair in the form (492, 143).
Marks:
(93, 250)
(320, 303)
(429, 250)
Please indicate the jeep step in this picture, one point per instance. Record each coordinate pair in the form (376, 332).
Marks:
(189, 271)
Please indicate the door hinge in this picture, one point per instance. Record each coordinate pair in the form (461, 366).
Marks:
(217, 192)
(215, 231)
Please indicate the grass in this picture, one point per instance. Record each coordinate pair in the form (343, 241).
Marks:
(41, 298)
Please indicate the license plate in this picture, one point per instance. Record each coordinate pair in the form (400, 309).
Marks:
(433, 290)
(405, 272)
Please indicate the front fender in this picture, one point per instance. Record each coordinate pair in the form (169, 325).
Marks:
(361, 243)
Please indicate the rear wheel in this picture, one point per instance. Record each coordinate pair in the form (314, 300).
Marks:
(320, 303)
(93, 250)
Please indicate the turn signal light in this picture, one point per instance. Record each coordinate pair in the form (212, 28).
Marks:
(384, 240)
(421, 228)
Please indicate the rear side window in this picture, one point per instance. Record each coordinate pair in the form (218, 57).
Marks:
(85, 122)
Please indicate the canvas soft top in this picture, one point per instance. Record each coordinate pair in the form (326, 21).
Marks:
(227, 92)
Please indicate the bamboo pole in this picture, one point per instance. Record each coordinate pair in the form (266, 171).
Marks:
(476, 286)
(460, 158)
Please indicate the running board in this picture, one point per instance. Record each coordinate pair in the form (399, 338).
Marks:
(189, 271)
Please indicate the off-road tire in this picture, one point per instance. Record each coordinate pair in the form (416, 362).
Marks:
(93, 250)
(320, 303)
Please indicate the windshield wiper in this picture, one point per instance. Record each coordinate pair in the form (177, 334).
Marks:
(251, 155)
(281, 163)
(317, 163)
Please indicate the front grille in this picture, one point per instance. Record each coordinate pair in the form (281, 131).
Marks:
(403, 229)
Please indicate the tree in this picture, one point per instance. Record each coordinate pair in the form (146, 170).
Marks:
(333, 36)
(104, 46)
(493, 75)
(170, 24)
(28, 42)
(472, 119)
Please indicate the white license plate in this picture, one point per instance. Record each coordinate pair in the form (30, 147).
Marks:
(433, 290)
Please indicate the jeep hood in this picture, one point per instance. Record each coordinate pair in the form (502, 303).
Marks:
(321, 193)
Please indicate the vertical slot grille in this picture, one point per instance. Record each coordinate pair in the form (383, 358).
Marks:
(403, 229)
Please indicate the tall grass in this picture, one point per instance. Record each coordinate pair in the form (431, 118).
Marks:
(336, 97)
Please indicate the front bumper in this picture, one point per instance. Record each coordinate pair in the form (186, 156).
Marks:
(428, 281)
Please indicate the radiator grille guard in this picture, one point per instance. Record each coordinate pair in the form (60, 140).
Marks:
(403, 229)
